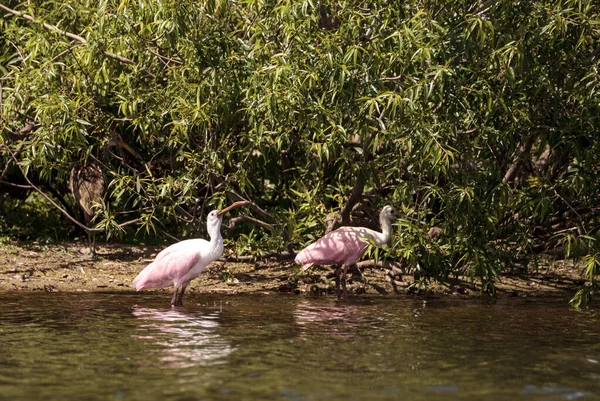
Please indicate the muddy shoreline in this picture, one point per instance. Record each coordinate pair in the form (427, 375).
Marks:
(67, 267)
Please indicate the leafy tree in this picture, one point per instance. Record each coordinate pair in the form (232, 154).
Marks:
(479, 119)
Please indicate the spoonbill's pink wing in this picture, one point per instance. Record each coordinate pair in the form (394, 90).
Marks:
(345, 245)
(169, 266)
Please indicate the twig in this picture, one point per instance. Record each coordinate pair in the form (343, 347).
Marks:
(59, 55)
(12, 184)
(127, 223)
(387, 79)
(166, 234)
(162, 58)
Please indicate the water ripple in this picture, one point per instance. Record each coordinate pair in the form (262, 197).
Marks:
(183, 339)
(563, 393)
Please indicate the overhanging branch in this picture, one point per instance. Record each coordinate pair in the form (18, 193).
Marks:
(69, 35)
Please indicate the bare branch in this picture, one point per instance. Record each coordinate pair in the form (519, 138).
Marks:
(12, 184)
(191, 218)
(9, 162)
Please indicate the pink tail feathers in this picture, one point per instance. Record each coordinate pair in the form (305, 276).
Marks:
(302, 259)
(141, 281)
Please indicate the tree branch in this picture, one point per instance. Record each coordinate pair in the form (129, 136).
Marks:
(12, 184)
(162, 58)
(524, 149)
(355, 196)
(69, 35)
(396, 78)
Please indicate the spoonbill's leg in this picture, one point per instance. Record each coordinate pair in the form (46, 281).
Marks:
(179, 301)
(344, 281)
(174, 299)
(338, 269)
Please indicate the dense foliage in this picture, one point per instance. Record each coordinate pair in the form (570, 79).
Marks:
(478, 118)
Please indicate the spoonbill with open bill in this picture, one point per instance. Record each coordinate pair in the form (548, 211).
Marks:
(182, 262)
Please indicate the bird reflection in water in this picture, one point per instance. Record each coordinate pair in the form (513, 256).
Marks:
(336, 320)
(184, 339)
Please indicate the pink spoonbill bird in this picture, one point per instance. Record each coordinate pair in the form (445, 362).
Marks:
(345, 246)
(182, 262)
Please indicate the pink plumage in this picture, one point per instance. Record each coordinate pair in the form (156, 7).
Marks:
(174, 265)
(180, 263)
(345, 246)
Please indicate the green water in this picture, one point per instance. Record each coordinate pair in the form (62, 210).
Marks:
(129, 346)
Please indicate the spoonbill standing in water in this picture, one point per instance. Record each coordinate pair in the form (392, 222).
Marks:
(182, 262)
(345, 246)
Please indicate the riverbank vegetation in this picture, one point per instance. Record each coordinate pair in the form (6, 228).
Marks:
(479, 121)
